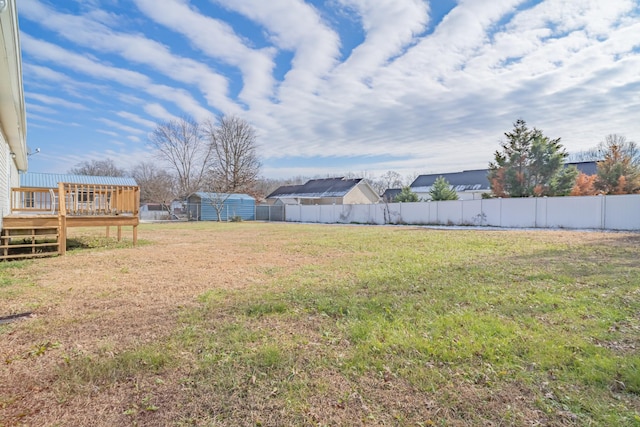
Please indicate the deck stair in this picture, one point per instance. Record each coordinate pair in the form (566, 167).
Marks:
(29, 242)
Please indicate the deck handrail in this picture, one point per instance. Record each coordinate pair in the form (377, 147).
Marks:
(77, 199)
(32, 200)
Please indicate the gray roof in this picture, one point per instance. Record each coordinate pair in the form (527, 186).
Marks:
(317, 188)
(476, 180)
(588, 168)
(51, 180)
(472, 180)
(391, 193)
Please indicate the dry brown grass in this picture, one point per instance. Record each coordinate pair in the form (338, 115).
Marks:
(106, 301)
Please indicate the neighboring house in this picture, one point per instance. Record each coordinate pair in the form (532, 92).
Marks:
(202, 206)
(161, 212)
(390, 194)
(13, 127)
(471, 184)
(328, 191)
(587, 168)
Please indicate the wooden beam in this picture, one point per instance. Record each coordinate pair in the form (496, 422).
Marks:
(62, 221)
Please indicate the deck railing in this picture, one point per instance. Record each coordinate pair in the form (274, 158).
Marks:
(76, 199)
(33, 200)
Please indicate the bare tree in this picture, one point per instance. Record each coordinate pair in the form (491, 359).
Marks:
(234, 165)
(97, 168)
(181, 144)
(156, 184)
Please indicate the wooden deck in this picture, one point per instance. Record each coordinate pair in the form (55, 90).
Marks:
(39, 219)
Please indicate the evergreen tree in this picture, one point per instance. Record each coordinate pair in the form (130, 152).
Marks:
(530, 164)
(406, 195)
(441, 190)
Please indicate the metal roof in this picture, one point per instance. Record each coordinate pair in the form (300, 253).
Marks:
(203, 195)
(460, 181)
(317, 188)
(51, 180)
(476, 180)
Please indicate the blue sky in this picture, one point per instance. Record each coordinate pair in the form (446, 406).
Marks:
(335, 86)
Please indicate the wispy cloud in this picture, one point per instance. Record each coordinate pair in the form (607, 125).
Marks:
(136, 119)
(52, 100)
(255, 65)
(118, 125)
(89, 33)
(49, 52)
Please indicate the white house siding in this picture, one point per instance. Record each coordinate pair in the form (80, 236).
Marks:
(5, 184)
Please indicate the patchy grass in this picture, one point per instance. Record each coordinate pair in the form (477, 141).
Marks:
(321, 325)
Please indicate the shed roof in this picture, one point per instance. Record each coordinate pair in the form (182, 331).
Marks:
(317, 188)
(51, 180)
(203, 195)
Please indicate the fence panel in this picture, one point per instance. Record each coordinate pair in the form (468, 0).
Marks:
(472, 212)
(518, 212)
(580, 212)
(621, 212)
(596, 212)
(270, 213)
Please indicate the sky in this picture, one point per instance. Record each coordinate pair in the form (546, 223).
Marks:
(331, 87)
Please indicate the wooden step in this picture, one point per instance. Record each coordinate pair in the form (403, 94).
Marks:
(21, 241)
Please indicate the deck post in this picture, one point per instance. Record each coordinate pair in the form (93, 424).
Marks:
(108, 231)
(119, 233)
(62, 221)
(135, 235)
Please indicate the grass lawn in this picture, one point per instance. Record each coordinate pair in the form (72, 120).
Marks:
(260, 324)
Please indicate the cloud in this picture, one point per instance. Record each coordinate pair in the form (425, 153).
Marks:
(89, 33)
(200, 30)
(136, 119)
(120, 126)
(158, 111)
(51, 100)
(296, 26)
(46, 51)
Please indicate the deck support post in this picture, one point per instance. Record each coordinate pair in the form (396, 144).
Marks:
(108, 231)
(119, 233)
(62, 220)
(135, 235)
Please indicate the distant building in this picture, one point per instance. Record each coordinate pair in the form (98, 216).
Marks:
(471, 184)
(328, 191)
(202, 206)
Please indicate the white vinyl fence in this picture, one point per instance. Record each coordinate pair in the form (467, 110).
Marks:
(591, 212)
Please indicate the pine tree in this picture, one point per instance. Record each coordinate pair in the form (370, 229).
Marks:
(406, 196)
(530, 164)
(441, 190)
